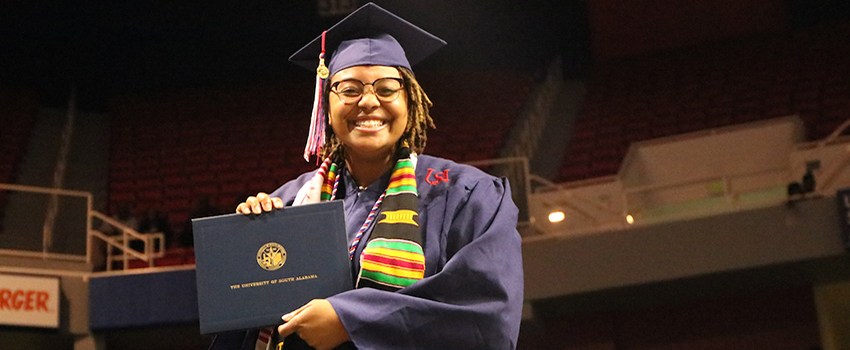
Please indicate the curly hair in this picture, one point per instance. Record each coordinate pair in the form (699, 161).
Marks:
(418, 117)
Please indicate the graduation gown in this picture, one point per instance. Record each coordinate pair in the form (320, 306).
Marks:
(471, 296)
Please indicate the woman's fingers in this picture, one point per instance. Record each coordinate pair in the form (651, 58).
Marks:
(265, 201)
(316, 323)
(254, 204)
(291, 325)
(287, 329)
(288, 317)
(244, 208)
(259, 203)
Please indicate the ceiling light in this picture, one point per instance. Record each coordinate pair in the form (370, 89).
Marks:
(556, 216)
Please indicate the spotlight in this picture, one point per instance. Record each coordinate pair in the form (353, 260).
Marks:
(630, 219)
(556, 216)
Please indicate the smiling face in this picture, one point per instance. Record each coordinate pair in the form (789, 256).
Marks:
(368, 129)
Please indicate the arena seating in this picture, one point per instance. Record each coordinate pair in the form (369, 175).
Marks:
(168, 150)
(473, 111)
(804, 72)
(173, 256)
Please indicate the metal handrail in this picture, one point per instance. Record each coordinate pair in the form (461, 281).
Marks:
(43, 255)
(62, 192)
(508, 160)
(833, 138)
(151, 239)
(549, 186)
(643, 188)
(121, 242)
(525, 172)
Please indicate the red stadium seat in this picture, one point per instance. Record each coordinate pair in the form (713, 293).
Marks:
(714, 86)
(207, 189)
(174, 181)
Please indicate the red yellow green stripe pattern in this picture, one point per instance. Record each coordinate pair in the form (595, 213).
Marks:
(393, 257)
(392, 262)
(403, 179)
(328, 189)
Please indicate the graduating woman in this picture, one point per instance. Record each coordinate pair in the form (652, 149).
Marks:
(435, 253)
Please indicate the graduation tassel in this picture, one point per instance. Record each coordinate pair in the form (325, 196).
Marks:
(316, 135)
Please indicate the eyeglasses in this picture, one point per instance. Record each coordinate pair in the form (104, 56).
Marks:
(350, 91)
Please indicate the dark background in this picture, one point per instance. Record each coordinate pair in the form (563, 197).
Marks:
(136, 46)
(108, 48)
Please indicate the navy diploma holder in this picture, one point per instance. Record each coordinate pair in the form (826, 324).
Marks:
(252, 269)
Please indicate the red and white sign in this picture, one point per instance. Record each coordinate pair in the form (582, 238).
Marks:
(29, 301)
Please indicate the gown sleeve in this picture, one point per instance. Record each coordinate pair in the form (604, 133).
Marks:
(474, 301)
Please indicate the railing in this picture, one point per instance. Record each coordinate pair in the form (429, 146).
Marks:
(831, 174)
(645, 204)
(636, 205)
(46, 235)
(122, 242)
(516, 170)
(639, 204)
(576, 203)
(587, 206)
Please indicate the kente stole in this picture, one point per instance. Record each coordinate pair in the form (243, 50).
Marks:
(393, 257)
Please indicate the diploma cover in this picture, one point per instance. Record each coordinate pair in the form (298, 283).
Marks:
(252, 269)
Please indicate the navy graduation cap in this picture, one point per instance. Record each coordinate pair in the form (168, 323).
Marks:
(370, 35)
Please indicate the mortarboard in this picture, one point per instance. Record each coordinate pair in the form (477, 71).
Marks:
(368, 36)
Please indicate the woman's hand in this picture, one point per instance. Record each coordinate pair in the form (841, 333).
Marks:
(317, 323)
(259, 203)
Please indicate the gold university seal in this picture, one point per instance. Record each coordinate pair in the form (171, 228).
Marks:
(271, 256)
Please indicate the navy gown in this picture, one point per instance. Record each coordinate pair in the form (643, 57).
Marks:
(471, 296)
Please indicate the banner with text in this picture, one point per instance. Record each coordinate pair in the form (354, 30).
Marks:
(29, 301)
